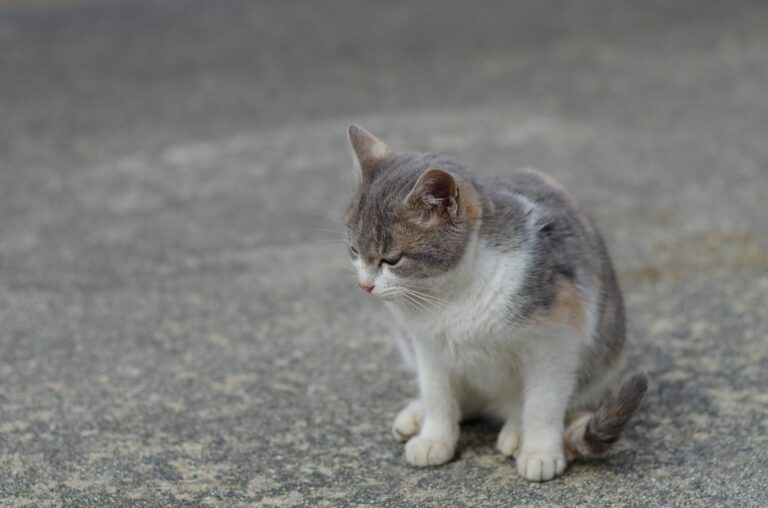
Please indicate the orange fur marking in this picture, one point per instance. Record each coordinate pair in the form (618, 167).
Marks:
(468, 200)
(617, 362)
(568, 308)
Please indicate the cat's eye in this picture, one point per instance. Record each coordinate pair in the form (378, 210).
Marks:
(392, 260)
(353, 251)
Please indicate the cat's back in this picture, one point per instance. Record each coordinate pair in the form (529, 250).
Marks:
(535, 191)
(528, 206)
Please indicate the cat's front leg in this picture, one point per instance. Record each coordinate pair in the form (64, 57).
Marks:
(549, 379)
(435, 443)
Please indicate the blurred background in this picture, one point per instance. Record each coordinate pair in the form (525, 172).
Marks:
(177, 326)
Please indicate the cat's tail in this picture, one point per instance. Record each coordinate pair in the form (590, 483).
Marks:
(594, 433)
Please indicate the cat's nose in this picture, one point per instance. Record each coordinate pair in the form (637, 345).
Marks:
(366, 287)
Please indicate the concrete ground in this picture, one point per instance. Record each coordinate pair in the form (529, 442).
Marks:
(177, 326)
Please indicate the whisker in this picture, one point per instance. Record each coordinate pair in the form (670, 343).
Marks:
(331, 230)
(420, 297)
(428, 288)
(427, 304)
(429, 298)
(415, 303)
(337, 234)
(427, 295)
(320, 215)
(424, 305)
(332, 219)
(336, 241)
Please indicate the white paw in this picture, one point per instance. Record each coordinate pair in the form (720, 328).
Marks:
(540, 466)
(508, 442)
(422, 452)
(408, 421)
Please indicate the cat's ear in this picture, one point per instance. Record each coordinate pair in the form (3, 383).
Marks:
(370, 152)
(434, 198)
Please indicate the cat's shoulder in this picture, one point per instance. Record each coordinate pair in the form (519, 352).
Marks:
(531, 185)
(525, 203)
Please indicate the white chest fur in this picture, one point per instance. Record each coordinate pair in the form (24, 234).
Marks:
(475, 301)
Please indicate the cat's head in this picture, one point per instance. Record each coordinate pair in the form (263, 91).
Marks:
(410, 219)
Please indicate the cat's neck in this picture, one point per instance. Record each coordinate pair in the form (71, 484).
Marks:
(473, 301)
(483, 271)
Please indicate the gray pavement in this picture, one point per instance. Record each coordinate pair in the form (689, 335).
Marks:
(177, 325)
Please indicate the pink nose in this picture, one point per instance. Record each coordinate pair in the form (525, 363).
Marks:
(366, 287)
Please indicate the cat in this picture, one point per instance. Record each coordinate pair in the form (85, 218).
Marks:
(507, 303)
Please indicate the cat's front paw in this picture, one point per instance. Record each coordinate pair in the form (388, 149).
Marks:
(408, 421)
(423, 452)
(540, 466)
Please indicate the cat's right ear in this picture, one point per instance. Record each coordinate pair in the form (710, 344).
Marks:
(434, 198)
(370, 153)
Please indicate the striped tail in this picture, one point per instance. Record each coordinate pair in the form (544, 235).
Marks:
(594, 433)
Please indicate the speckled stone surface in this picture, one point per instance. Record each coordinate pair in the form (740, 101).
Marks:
(177, 324)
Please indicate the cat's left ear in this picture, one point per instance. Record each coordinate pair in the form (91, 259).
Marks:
(369, 151)
(434, 198)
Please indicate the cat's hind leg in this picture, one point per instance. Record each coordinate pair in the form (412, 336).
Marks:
(510, 438)
(408, 421)
(511, 433)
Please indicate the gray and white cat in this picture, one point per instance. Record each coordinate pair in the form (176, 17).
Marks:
(507, 300)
